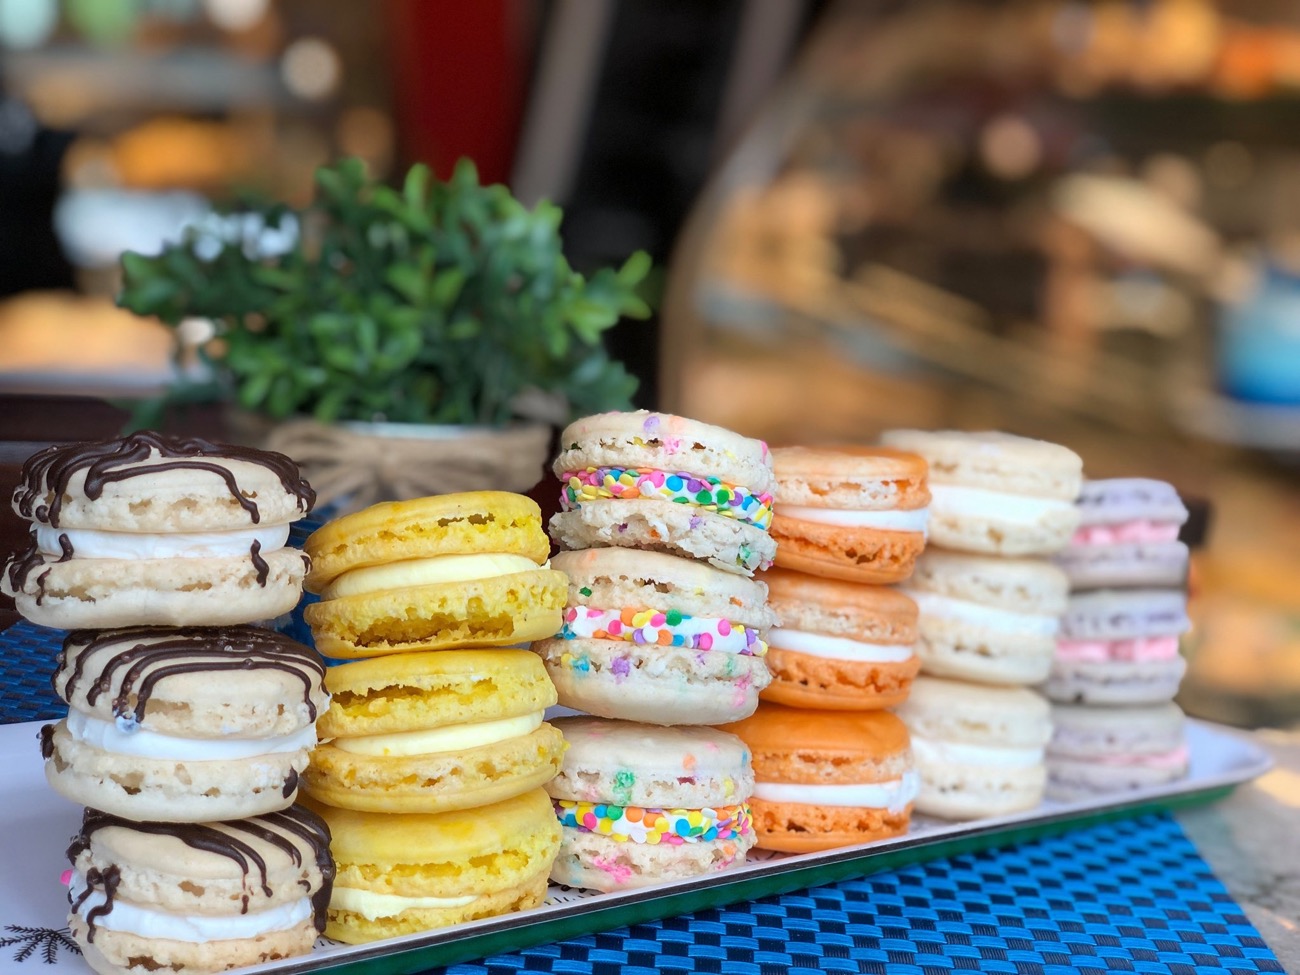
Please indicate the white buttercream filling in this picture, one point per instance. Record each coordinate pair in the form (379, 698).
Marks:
(894, 794)
(931, 751)
(373, 906)
(434, 740)
(946, 607)
(107, 736)
(915, 520)
(837, 647)
(88, 543)
(191, 928)
(1021, 509)
(429, 571)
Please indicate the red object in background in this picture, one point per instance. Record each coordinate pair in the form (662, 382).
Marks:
(459, 71)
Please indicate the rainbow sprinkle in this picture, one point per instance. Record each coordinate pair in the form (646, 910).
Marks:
(670, 827)
(709, 493)
(652, 627)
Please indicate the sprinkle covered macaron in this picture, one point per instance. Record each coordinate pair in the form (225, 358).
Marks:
(840, 646)
(197, 898)
(666, 483)
(183, 725)
(1127, 536)
(400, 874)
(655, 638)
(979, 748)
(995, 493)
(456, 570)
(641, 804)
(434, 731)
(157, 530)
(853, 513)
(827, 779)
(1098, 751)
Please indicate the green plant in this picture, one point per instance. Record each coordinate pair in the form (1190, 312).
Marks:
(439, 303)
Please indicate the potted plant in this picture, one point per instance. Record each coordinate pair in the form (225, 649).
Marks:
(447, 305)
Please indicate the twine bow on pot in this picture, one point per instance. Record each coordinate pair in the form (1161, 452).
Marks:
(359, 465)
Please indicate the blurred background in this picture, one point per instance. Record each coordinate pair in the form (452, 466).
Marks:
(1072, 220)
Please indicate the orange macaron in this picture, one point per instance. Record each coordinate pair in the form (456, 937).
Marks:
(826, 779)
(840, 646)
(853, 513)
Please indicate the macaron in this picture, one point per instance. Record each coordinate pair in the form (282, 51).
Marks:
(996, 493)
(1127, 536)
(400, 874)
(434, 731)
(641, 804)
(183, 725)
(656, 638)
(150, 529)
(987, 619)
(666, 483)
(979, 748)
(840, 646)
(197, 897)
(827, 779)
(1120, 646)
(456, 570)
(1118, 749)
(854, 513)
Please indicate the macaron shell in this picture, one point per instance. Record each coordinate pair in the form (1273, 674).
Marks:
(478, 613)
(1088, 733)
(797, 745)
(998, 535)
(976, 714)
(790, 827)
(994, 461)
(1117, 500)
(684, 530)
(871, 614)
(1114, 681)
(1069, 780)
(1125, 614)
(956, 791)
(115, 952)
(599, 862)
(966, 650)
(851, 477)
(802, 680)
(447, 524)
(433, 689)
(1021, 585)
(435, 782)
(1142, 565)
(864, 555)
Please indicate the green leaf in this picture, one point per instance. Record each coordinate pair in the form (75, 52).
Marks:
(254, 389)
(416, 186)
(447, 286)
(408, 282)
(634, 269)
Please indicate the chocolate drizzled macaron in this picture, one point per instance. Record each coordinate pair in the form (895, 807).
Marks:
(159, 530)
(183, 725)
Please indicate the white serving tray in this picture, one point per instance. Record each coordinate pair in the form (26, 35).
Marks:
(36, 825)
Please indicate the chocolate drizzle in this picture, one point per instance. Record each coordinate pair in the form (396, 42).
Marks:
(287, 831)
(145, 655)
(47, 741)
(47, 474)
(290, 783)
(65, 546)
(22, 566)
(259, 563)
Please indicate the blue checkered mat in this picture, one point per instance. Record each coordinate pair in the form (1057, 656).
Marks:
(1128, 896)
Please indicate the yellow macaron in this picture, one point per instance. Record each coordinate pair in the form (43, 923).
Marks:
(434, 731)
(399, 874)
(455, 570)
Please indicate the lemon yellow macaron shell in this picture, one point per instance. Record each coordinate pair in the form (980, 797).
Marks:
(396, 693)
(446, 524)
(495, 859)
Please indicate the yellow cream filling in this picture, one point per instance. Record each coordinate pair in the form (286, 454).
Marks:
(373, 906)
(434, 740)
(426, 572)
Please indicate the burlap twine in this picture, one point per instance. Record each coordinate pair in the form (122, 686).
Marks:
(353, 469)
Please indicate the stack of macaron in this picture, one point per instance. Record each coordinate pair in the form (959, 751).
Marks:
(990, 602)
(1117, 665)
(832, 766)
(434, 747)
(664, 521)
(187, 728)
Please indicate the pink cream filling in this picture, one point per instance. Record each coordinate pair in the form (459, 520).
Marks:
(1128, 531)
(1174, 759)
(1127, 651)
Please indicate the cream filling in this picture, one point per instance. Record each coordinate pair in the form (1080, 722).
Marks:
(434, 740)
(915, 520)
(372, 906)
(837, 647)
(112, 737)
(930, 752)
(1020, 509)
(131, 918)
(894, 794)
(946, 607)
(427, 572)
(88, 543)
